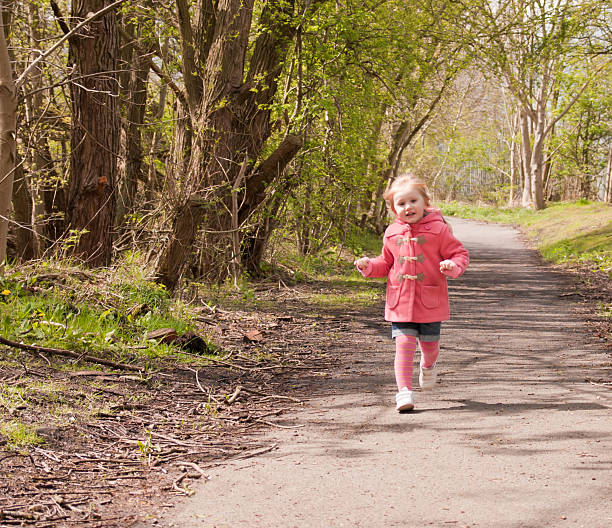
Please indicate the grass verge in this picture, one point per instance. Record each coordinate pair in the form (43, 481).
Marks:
(62, 306)
(106, 315)
(577, 235)
(564, 233)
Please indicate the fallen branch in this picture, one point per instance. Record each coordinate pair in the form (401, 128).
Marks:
(192, 465)
(68, 353)
(256, 452)
(272, 424)
(234, 396)
(274, 396)
(175, 485)
(18, 515)
(607, 384)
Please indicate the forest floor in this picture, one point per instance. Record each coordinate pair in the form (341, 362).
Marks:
(304, 395)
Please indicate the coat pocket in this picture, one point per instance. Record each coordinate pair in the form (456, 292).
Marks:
(393, 292)
(430, 296)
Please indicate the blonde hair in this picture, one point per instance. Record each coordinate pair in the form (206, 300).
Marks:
(404, 183)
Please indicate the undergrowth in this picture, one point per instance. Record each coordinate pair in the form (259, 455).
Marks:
(60, 305)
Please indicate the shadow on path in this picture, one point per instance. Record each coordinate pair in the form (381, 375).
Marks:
(516, 435)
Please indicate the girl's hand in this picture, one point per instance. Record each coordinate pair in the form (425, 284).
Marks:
(447, 265)
(362, 263)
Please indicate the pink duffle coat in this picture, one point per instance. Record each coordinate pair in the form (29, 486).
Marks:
(411, 256)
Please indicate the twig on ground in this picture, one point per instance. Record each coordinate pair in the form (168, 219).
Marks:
(256, 452)
(266, 396)
(192, 465)
(68, 353)
(607, 384)
(235, 395)
(272, 424)
(175, 485)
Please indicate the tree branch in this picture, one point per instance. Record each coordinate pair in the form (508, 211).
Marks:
(180, 94)
(193, 81)
(21, 79)
(576, 97)
(267, 172)
(60, 17)
(68, 353)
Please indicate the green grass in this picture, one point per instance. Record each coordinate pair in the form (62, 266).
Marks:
(104, 313)
(564, 232)
(508, 215)
(19, 435)
(348, 294)
(60, 306)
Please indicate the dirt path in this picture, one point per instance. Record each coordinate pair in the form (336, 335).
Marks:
(518, 432)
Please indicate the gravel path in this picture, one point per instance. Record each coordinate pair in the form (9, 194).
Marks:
(518, 432)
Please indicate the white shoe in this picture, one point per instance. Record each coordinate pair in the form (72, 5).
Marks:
(404, 400)
(427, 377)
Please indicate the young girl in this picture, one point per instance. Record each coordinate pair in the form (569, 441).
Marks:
(419, 251)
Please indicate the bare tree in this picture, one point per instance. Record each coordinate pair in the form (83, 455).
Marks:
(8, 108)
(229, 113)
(527, 43)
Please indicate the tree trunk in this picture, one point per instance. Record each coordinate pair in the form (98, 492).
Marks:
(541, 132)
(526, 200)
(8, 125)
(537, 169)
(22, 208)
(178, 251)
(256, 239)
(514, 160)
(47, 192)
(95, 134)
(153, 182)
(53, 192)
(233, 120)
(608, 194)
(136, 90)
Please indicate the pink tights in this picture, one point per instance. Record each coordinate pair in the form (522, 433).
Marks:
(430, 350)
(405, 346)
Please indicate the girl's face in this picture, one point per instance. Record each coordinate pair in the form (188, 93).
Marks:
(409, 205)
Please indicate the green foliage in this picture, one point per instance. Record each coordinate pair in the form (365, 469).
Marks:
(508, 215)
(364, 243)
(364, 68)
(583, 137)
(147, 448)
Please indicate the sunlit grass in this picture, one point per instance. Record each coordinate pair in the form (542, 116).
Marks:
(605, 310)
(19, 435)
(566, 232)
(110, 311)
(347, 299)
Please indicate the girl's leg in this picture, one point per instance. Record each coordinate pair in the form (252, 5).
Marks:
(430, 352)
(405, 346)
